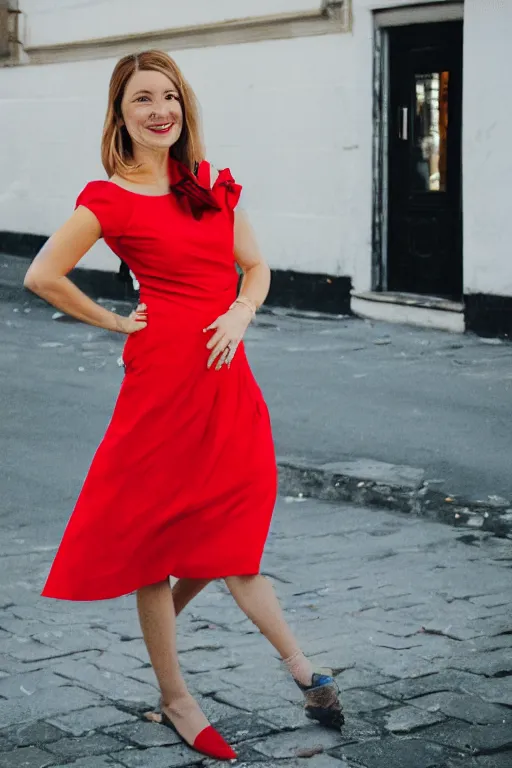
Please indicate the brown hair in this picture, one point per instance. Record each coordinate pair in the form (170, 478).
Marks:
(116, 144)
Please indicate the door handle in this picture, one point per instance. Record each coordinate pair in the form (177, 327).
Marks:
(403, 123)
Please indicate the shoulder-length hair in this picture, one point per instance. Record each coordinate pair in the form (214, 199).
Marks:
(116, 144)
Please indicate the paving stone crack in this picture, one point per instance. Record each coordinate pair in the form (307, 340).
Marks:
(439, 633)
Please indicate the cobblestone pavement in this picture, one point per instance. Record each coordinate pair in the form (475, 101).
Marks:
(413, 616)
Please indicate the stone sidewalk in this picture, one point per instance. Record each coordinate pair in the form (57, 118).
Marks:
(413, 616)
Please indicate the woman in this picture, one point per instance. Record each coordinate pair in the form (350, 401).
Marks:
(184, 481)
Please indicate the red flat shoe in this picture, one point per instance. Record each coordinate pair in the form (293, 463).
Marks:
(208, 742)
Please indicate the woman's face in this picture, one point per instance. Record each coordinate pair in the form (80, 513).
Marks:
(152, 110)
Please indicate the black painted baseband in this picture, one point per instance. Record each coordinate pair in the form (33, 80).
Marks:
(305, 291)
(295, 290)
(485, 314)
(104, 285)
(94, 282)
(316, 293)
(21, 243)
(488, 315)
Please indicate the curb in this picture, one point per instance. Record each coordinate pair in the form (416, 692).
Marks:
(395, 487)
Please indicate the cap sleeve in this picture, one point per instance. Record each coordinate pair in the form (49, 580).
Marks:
(101, 198)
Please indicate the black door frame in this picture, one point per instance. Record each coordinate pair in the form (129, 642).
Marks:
(383, 21)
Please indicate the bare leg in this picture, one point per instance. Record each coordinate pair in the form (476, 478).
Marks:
(185, 590)
(158, 623)
(257, 599)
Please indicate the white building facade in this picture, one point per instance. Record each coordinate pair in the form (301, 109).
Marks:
(371, 137)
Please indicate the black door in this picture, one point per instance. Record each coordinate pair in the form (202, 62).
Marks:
(425, 126)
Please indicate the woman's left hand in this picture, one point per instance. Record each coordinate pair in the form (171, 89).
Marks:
(229, 332)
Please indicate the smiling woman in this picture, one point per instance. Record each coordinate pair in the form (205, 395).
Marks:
(135, 106)
(145, 92)
(184, 481)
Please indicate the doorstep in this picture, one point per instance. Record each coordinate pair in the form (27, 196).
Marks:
(409, 309)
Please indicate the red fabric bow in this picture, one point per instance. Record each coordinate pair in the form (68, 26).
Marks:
(198, 198)
(233, 190)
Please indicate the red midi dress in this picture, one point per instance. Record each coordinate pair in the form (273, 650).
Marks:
(184, 481)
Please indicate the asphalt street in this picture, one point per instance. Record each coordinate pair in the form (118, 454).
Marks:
(337, 389)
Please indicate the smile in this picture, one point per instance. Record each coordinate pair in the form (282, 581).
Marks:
(162, 128)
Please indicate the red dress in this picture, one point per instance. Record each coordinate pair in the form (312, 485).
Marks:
(184, 481)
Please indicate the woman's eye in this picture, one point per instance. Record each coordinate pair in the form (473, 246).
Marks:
(172, 96)
(142, 98)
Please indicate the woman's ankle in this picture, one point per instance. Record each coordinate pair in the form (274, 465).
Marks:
(186, 716)
(176, 699)
(299, 667)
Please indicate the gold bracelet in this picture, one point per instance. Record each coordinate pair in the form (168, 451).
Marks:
(246, 302)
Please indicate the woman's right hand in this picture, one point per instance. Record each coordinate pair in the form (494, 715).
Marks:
(136, 321)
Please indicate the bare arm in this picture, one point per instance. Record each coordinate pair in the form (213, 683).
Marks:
(47, 274)
(256, 279)
(231, 327)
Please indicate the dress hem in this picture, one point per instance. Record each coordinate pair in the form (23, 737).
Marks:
(53, 595)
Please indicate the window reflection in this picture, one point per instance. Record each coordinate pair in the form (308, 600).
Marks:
(430, 132)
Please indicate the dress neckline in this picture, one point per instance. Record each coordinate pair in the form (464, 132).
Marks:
(138, 194)
(176, 172)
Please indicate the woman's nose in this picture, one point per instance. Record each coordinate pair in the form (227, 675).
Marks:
(164, 107)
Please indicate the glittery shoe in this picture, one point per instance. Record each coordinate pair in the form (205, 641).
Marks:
(321, 701)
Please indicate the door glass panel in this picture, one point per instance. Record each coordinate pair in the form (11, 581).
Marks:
(430, 132)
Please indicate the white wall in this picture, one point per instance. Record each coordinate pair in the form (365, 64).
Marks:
(50, 22)
(487, 148)
(292, 118)
(279, 113)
